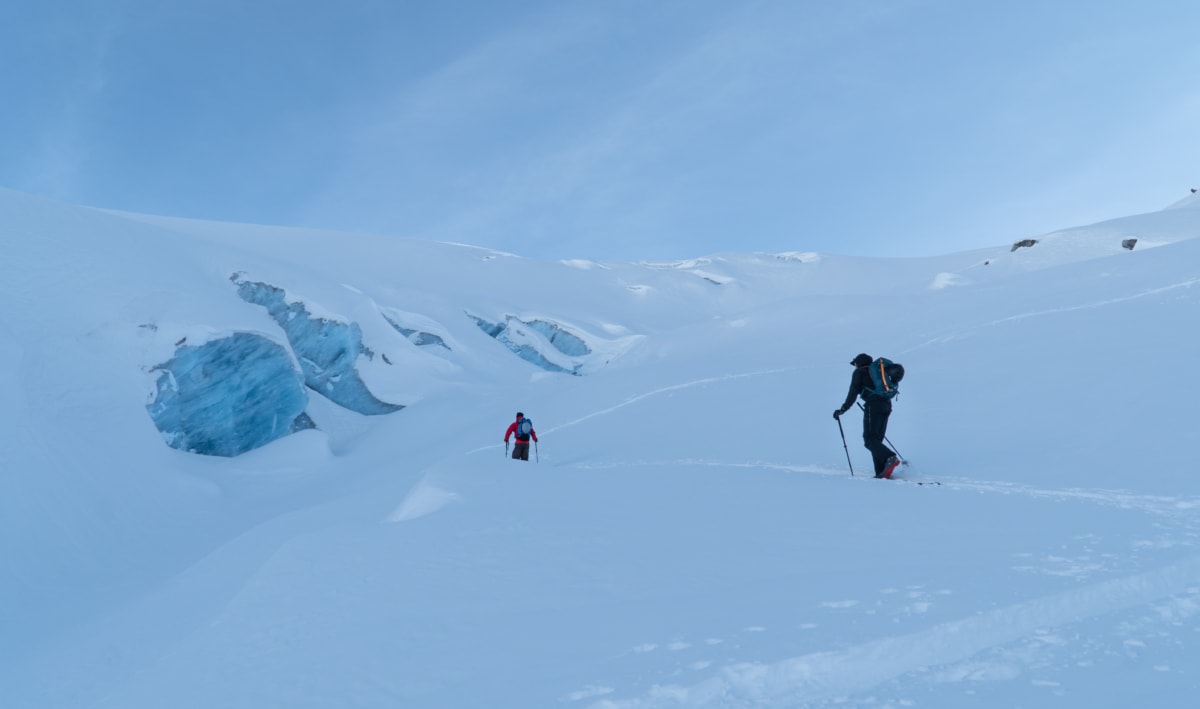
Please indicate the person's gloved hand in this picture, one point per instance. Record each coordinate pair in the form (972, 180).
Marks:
(837, 413)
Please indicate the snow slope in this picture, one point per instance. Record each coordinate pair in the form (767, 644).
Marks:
(689, 533)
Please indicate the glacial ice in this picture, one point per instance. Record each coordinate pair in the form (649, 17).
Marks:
(563, 341)
(326, 349)
(417, 337)
(228, 396)
(509, 336)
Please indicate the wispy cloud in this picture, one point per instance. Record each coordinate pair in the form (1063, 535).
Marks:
(59, 153)
(525, 121)
(610, 129)
(569, 128)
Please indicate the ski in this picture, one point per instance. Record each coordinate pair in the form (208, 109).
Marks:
(914, 482)
(902, 468)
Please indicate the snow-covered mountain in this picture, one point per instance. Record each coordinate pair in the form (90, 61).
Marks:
(248, 466)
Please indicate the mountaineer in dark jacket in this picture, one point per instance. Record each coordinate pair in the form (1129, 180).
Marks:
(876, 411)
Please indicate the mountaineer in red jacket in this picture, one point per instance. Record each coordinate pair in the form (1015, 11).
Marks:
(523, 429)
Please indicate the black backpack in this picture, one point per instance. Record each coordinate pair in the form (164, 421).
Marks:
(885, 378)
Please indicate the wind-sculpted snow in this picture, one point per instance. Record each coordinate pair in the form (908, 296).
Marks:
(326, 349)
(229, 396)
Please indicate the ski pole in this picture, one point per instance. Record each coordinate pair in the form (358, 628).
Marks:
(506, 449)
(537, 458)
(843, 432)
(892, 445)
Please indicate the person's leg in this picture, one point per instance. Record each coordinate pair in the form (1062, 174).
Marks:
(524, 449)
(875, 419)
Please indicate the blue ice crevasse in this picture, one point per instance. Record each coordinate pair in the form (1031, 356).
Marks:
(228, 396)
(563, 341)
(518, 342)
(326, 349)
(417, 337)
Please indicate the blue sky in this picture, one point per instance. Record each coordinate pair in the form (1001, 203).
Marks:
(612, 129)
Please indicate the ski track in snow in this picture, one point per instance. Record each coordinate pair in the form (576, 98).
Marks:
(946, 648)
(1151, 504)
(653, 392)
(1055, 311)
(666, 390)
(829, 675)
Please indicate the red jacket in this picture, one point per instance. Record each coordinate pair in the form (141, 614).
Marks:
(512, 428)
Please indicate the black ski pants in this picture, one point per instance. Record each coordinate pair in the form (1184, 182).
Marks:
(875, 418)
